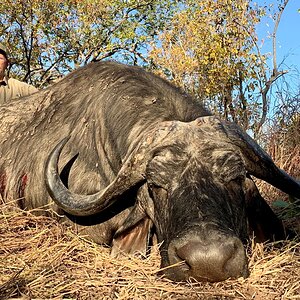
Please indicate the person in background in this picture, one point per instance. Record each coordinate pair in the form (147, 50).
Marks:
(11, 88)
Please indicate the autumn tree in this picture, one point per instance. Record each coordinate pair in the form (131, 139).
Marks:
(211, 50)
(208, 47)
(48, 39)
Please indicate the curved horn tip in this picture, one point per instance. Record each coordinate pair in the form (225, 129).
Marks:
(52, 160)
(62, 143)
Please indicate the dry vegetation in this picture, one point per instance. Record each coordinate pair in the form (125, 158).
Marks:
(42, 259)
(283, 145)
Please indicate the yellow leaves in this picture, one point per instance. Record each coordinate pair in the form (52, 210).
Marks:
(207, 44)
(212, 55)
(234, 51)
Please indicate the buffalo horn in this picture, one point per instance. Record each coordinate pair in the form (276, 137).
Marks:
(130, 174)
(259, 163)
(85, 205)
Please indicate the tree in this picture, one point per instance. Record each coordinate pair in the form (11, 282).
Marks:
(208, 47)
(48, 39)
(211, 50)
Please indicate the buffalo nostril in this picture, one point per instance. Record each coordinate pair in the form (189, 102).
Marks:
(235, 260)
(215, 261)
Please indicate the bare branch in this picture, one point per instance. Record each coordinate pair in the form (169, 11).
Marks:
(264, 93)
(281, 9)
(275, 73)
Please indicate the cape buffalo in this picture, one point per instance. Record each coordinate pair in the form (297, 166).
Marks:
(124, 154)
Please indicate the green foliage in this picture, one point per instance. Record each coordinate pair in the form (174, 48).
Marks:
(287, 210)
(280, 204)
(47, 39)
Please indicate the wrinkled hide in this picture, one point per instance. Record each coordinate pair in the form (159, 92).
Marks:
(122, 154)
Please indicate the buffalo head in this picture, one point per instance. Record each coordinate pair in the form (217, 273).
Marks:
(192, 177)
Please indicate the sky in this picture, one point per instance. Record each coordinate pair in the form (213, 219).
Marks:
(288, 36)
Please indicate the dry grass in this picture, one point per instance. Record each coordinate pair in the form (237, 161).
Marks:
(285, 158)
(42, 259)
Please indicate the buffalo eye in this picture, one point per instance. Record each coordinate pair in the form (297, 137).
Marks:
(237, 178)
(230, 168)
(166, 163)
(157, 192)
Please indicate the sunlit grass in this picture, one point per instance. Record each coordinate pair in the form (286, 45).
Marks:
(40, 258)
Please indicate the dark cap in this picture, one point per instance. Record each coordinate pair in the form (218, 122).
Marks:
(3, 50)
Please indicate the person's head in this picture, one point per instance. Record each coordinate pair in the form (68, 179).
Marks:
(3, 60)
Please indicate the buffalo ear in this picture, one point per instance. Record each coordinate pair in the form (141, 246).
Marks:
(134, 234)
(263, 222)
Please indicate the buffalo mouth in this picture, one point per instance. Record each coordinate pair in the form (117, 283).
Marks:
(190, 257)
